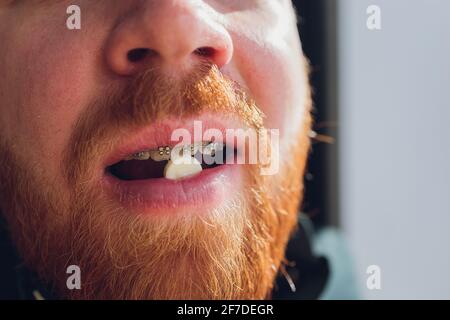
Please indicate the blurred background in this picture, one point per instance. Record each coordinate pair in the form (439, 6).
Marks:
(382, 189)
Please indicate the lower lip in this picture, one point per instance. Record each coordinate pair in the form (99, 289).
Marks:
(205, 190)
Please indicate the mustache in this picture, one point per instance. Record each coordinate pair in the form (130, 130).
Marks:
(149, 97)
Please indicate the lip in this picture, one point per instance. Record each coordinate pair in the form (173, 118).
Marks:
(203, 191)
(160, 196)
(159, 134)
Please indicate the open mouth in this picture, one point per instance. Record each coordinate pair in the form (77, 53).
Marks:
(148, 173)
(172, 163)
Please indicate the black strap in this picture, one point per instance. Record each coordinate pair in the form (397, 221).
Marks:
(305, 275)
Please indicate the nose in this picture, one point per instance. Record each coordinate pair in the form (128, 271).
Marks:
(176, 33)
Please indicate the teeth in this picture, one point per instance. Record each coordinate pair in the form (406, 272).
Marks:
(161, 154)
(210, 149)
(190, 150)
(182, 167)
(165, 153)
(144, 155)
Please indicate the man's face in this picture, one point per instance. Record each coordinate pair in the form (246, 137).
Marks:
(83, 110)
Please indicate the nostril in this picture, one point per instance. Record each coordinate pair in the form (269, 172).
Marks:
(220, 56)
(205, 52)
(138, 54)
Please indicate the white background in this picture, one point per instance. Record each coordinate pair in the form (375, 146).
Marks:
(394, 163)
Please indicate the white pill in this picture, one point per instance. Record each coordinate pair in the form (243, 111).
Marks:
(182, 167)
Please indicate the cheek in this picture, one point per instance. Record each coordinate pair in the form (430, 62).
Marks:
(275, 75)
(51, 89)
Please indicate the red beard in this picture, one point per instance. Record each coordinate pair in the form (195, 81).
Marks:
(233, 252)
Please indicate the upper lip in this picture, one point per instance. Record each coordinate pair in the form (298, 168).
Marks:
(159, 134)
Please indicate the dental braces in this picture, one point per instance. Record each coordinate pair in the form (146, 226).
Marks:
(165, 153)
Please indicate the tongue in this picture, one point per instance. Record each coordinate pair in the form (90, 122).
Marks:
(138, 170)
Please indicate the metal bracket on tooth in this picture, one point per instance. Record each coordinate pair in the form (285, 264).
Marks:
(164, 153)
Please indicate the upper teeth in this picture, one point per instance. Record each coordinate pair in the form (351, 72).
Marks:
(141, 156)
(165, 153)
